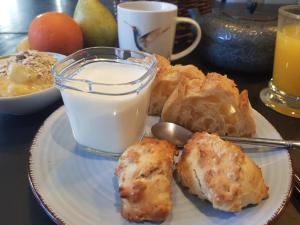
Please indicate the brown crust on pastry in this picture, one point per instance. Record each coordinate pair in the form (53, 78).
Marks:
(220, 172)
(166, 80)
(145, 179)
(212, 104)
(163, 64)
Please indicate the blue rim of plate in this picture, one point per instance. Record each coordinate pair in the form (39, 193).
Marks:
(60, 221)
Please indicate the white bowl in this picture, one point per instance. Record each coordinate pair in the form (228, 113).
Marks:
(30, 103)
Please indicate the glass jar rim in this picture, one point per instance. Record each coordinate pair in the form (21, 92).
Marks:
(144, 79)
(284, 11)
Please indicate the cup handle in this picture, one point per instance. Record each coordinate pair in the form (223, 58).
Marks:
(195, 42)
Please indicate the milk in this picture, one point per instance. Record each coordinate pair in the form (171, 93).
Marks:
(104, 122)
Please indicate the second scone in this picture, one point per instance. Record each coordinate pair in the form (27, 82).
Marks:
(220, 172)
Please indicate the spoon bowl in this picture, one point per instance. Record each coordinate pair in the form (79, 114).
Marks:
(171, 132)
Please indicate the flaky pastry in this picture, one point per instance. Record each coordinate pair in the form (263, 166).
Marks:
(212, 104)
(166, 81)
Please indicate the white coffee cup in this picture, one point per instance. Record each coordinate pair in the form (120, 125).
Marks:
(150, 26)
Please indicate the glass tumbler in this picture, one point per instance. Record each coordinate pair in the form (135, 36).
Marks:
(106, 93)
(283, 91)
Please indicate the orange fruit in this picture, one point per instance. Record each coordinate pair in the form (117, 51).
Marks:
(55, 32)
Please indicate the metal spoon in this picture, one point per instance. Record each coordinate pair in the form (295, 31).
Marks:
(179, 135)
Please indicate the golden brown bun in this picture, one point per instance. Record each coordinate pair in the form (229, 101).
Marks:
(220, 172)
(166, 81)
(145, 179)
(212, 104)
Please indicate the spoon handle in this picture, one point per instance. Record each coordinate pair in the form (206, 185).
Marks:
(289, 144)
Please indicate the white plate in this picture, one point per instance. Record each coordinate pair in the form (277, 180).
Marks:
(30, 103)
(77, 187)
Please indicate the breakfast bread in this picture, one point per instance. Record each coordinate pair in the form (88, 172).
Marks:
(166, 81)
(213, 104)
(145, 178)
(163, 64)
(220, 172)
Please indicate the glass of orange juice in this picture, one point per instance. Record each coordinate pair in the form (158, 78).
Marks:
(283, 91)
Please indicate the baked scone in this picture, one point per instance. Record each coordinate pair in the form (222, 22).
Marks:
(212, 104)
(166, 81)
(145, 179)
(220, 172)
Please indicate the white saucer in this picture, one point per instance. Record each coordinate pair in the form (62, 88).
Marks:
(78, 187)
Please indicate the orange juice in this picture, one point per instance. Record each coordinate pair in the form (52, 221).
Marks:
(286, 70)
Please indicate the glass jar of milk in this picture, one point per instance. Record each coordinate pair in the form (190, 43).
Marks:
(106, 95)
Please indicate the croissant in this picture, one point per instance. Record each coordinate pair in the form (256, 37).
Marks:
(166, 81)
(212, 104)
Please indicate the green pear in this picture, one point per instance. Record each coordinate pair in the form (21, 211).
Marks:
(98, 25)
